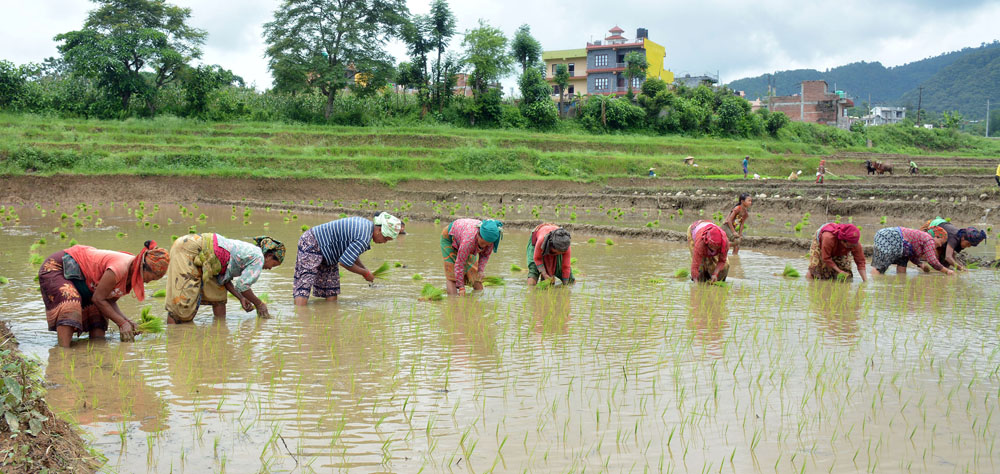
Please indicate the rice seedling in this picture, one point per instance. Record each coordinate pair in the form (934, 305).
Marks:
(417, 277)
(493, 281)
(4, 280)
(608, 241)
(264, 297)
(161, 293)
(149, 324)
(790, 272)
(431, 293)
(63, 236)
(544, 284)
(591, 240)
(514, 268)
(119, 235)
(398, 265)
(382, 271)
(304, 228)
(655, 280)
(36, 259)
(682, 273)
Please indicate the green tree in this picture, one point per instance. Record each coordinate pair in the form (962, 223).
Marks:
(12, 82)
(635, 66)
(525, 49)
(199, 82)
(731, 113)
(442, 28)
(417, 36)
(562, 81)
(123, 39)
(321, 44)
(486, 53)
(536, 104)
(951, 120)
(775, 122)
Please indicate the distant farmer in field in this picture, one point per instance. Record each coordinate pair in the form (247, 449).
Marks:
(652, 172)
(464, 242)
(708, 245)
(737, 220)
(830, 252)
(821, 171)
(204, 267)
(81, 286)
(548, 255)
(958, 240)
(913, 167)
(900, 245)
(325, 248)
(997, 177)
(746, 166)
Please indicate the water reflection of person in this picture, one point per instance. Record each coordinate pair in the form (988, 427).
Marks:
(203, 359)
(551, 310)
(837, 307)
(100, 386)
(708, 315)
(471, 332)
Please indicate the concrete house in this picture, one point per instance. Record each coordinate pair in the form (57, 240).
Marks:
(576, 63)
(606, 62)
(885, 115)
(814, 104)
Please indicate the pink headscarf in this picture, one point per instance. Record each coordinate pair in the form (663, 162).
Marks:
(716, 237)
(846, 232)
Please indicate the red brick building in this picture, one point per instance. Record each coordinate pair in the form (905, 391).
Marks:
(815, 104)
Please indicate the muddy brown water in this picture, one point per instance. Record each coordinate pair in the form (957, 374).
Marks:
(615, 373)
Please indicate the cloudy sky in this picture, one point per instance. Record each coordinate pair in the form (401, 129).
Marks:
(737, 38)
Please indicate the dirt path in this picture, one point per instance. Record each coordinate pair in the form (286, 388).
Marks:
(56, 447)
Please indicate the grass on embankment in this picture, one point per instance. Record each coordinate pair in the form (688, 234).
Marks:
(180, 147)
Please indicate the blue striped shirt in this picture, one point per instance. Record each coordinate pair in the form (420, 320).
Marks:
(344, 240)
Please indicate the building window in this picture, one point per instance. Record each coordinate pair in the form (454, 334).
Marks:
(621, 81)
(571, 69)
(601, 83)
(601, 60)
(571, 92)
(554, 69)
(636, 82)
(555, 89)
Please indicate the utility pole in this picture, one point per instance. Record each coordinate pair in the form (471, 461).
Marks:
(920, 98)
(987, 118)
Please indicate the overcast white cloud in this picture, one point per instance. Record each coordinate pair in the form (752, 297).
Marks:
(735, 37)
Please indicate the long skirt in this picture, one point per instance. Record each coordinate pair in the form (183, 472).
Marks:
(890, 249)
(312, 273)
(450, 253)
(189, 282)
(63, 304)
(709, 263)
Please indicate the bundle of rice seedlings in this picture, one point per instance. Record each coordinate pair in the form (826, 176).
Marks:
(493, 281)
(790, 272)
(4, 281)
(656, 280)
(417, 277)
(150, 324)
(608, 241)
(544, 284)
(381, 271)
(161, 293)
(572, 260)
(514, 268)
(971, 266)
(682, 273)
(431, 293)
(264, 297)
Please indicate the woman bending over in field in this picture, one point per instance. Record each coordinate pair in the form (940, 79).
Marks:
(958, 240)
(708, 245)
(464, 242)
(81, 286)
(830, 251)
(548, 255)
(204, 267)
(900, 245)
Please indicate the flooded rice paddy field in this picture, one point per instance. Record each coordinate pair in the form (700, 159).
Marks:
(629, 370)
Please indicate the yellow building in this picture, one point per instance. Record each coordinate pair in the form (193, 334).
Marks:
(576, 62)
(655, 55)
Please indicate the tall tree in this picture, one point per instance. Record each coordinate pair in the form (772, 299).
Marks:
(123, 39)
(442, 22)
(635, 66)
(486, 52)
(416, 33)
(525, 49)
(562, 80)
(322, 44)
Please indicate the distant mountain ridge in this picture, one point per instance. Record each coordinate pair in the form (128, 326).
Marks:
(959, 80)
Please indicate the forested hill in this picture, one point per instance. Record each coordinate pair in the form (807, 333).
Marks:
(959, 80)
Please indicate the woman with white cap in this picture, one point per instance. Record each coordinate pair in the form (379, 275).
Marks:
(327, 247)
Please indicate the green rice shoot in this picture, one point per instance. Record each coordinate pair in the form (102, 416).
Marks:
(493, 281)
(417, 277)
(431, 293)
(608, 241)
(161, 293)
(790, 272)
(382, 271)
(4, 281)
(655, 280)
(514, 268)
(682, 273)
(544, 284)
(150, 324)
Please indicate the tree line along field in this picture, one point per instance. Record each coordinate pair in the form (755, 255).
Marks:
(32, 144)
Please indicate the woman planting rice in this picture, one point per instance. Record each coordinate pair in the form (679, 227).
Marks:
(340, 242)
(548, 254)
(203, 267)
(958, 240)
(464, 242)
(739, 215)
(830, 249)
(899, 245)
(81, 286)
(709, 246)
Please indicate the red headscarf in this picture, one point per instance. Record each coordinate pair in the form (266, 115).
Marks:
(716, 237)
(156, 259)
(937, 231)
(846, 232)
